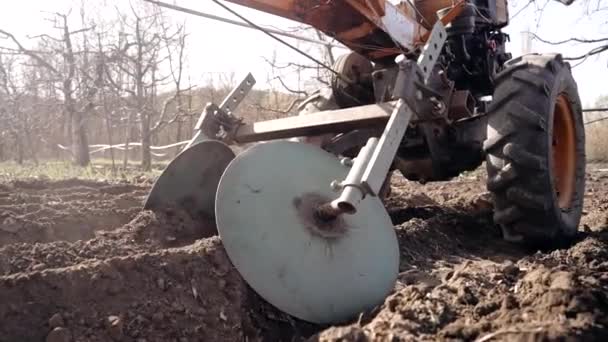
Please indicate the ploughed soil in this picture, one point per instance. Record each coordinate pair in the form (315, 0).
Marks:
(80, 261)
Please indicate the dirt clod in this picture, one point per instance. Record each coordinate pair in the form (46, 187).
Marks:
(56, 321)
(115, 327)
(59, 334)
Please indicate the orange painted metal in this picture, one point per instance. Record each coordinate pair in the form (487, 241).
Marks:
(564, 151)
(358, 24)
(427, 10)
(448, 18)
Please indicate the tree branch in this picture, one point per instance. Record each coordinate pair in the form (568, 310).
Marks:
(301, 92)
(29, 53)
(577, 40)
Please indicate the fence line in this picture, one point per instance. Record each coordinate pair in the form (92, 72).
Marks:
(121, 147)
(96, 148)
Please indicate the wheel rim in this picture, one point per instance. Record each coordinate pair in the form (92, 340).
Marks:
(564, 152)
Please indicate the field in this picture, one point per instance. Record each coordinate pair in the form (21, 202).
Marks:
(596, 141)
(80, 261)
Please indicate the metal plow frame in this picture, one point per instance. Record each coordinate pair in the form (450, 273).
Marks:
(267, 212)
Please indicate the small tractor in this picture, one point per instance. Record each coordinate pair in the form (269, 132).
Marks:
(428, 89)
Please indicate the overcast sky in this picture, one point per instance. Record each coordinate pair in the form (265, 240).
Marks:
(217, 47)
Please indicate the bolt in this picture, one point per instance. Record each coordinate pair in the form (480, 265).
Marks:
(438, 106)
(348, 162)
(336, 185)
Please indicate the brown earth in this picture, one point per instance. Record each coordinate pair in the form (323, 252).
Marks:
(80, 261)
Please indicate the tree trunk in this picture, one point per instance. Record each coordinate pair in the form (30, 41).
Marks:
(125, 160)
(30, 143)
(146, 156)
(80, 142)
(178, 134)
(180, 121)
(110, 140)
(19, 143)
(69, 140)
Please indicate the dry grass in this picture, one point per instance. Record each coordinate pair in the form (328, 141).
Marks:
(597, 141)
(100, 169)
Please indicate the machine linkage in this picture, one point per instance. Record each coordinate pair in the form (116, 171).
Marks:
(427, 90)
(374, 160)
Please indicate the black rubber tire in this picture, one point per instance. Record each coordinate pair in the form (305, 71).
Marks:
(519, 149)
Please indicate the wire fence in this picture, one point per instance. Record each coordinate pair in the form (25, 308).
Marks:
(99, 148)
(597, 119)
(155, 150)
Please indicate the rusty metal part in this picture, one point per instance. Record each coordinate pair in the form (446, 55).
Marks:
(462, 105)
(427, 10)
(376, 29)
(358, 70)
(215, 118)
(447, 18)
(564, 151)
(316, 221)
(410, 86)
(344, 144)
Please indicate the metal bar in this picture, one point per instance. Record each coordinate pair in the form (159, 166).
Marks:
(387, 147)
(387, 30)
(238, 94)
(229, 104)
(238, 23)
(352, 192)
(371, 166)
(332, 121)
(432, 49)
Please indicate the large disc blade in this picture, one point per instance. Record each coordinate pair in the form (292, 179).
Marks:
(318, 271)
(190, 182)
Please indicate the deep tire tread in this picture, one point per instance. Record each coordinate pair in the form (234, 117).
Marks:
(527, 199)
(518, 150)
(527, 115)
(503, 179)
(531, 80)
(508, 215)
(520, 156)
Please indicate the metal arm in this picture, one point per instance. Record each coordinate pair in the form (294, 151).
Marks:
(208, 119)
(375, 29)
(373, 162)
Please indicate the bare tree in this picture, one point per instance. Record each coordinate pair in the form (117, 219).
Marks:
(175, 44)
(114, 79)
(64, 74)
(595, 10)
(147, 47)
(10, 111)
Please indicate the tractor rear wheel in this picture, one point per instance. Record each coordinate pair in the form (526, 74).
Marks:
(535, 151)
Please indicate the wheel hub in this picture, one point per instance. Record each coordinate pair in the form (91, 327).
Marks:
(564, 152)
